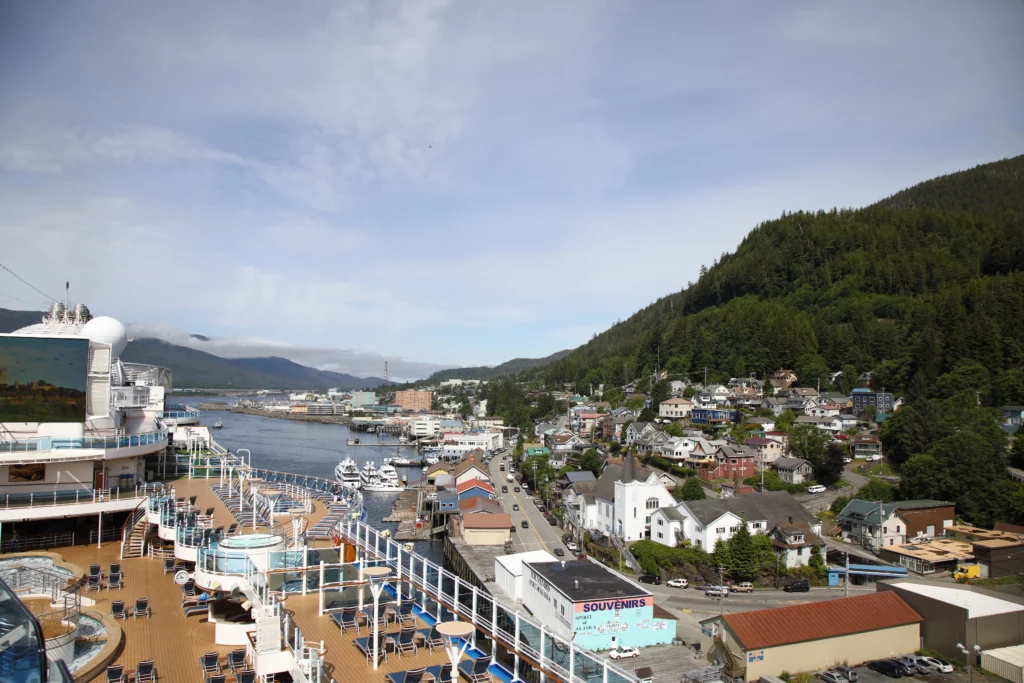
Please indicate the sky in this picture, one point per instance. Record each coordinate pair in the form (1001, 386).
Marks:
(443, 183)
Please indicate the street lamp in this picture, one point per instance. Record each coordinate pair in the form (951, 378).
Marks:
(967, 658)
(376, 577)
(452, 631)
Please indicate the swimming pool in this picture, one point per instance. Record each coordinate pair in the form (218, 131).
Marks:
(251, 541)
(33, 562)
(86, 650)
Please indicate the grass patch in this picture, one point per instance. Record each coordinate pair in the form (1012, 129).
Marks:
(1001, 581)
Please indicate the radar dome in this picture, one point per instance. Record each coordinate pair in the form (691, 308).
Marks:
(107, 330)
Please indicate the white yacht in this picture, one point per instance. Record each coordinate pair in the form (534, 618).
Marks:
(368, 475)
(347, 474)
(384, 480)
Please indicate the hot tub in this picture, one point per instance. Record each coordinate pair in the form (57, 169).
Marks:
(253, 542)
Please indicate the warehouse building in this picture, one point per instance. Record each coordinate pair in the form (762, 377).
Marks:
(1007, 662)
(960, 614)
(508, 570)
(602, 609)
(813, 636)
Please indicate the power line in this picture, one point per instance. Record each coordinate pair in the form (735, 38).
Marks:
(10, 296)
(27, 283)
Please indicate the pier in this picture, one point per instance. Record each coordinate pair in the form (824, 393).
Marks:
(415, 521)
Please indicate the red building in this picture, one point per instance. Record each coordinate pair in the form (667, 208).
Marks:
(730, 463)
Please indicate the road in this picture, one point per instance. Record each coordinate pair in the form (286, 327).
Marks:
(540, 535)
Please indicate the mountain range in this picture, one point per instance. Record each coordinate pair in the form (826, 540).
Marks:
(199, 369)
(508, 368)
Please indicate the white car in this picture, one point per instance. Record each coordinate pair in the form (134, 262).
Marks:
(817, 488)
(571, 545)
(624, 653)
(934, 664)
(678, 583)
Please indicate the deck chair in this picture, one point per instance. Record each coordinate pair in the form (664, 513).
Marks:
(115, 674)
(188, 589)
(415, 675)
(434, 639)
(145, 672)
(94, 570)
(247, 676)
(236, 660)
(231, 529)
(446, 674)
(405, 643)
(170, 565)
(404, 615)
(115, 568)
(141, 608)
(208, 513)
(192, 500)
(476, 671)
(93, 583)
(114, 582)
(210, 663)
(347, 620)
(117, 610)
(381, 637)
(218, 678)
(192, 610)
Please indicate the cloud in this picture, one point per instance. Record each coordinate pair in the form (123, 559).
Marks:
(460, 182)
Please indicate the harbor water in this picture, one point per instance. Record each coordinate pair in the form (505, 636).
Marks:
(314, 449)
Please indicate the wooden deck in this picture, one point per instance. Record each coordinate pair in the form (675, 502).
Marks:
(176, 643)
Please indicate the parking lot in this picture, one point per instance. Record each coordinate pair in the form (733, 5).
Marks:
(868, 676)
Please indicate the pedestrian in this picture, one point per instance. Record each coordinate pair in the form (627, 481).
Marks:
(14, 542)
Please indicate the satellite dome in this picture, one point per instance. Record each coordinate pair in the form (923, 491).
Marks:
(107, 330)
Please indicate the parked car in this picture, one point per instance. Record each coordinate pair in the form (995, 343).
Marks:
(515, 507)
(647, 578)
(817, 488)
(745, 587)
(525, 524)
(798, 587)
(501, 468)
(559, 552)
(552, 521)
(571, 545)
(847, 672)
(513, 528)
(886, 667)
(831, 677)
(716, 592)
(678, 583)
(566, 538)
(624, 653)
(909, 664)
(935, 664)
(847, 461)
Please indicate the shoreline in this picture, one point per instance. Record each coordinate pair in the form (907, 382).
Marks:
(323, 419)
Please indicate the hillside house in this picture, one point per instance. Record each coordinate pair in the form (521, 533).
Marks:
(882, 401)
(795, 543)
(866, 446)
(794, 470)
(624, 498)
(776, 404)
(730, 462)
(872, 525)
(783, 379)
(675, 409)
(637, 429)
(761, 424)
(766, 451)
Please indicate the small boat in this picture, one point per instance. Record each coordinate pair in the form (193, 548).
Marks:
(407, 546)
(386, 533)
(403, 439)
(218, 424)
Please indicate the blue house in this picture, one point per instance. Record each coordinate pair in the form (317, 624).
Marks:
(447, 501)
(474, 488)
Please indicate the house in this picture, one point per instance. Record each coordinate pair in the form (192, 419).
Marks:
(706, 522)
(872, 525)
(745, 398)
(666, 526)
(827, 424)
(731, 489)
(625, 496)
(543, 428)
(717, 392)
(846, 421)
(668, 481)
(766, 451)
(763, 644)
(486, 529)
(1013, 415)
(479, 504)
(862, 398)
(447, 501)
(926, 518)
(678, 448)
(580, 507)
(538, 452)
(675, 408)
(761, 424)
(794, 470)
(819, 407)
(652, 442)
(776, 404)
(564, 441)
(619, 422)
(712, 417)
(731, 462)
(840, 400)
(676, 387)
(588, 423)
(470, 467)
(867, 446)
(439, 469)
(783, 379)
(570, 478)
(781, 437)
(795, 544)
(637, 429)
(474, 487)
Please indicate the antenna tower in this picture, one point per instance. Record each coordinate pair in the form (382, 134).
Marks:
(385, 372)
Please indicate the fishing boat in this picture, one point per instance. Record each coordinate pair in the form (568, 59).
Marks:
(346, 473)
(217, 425)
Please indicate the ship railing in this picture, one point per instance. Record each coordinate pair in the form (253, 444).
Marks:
(51, 443)
(36, 499)
(435, 588)
(179, 414)
(37, 542)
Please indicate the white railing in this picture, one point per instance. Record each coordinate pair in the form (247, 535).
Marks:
(10, 501)
(52, 443)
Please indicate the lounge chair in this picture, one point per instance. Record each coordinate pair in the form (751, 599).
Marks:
(141, 608)
(117, 610)
(444, 675)
(188, 589)
(218, 678)
(236, 660)
(410, 676)
(93, 583)
(115, 568)
(347, 620)
(210, 663)
(231, 529)
(476, 671)
(114, 582)
(208, 513)
(170, 565)
(383, 651)
(192, 500)
(404, 615)
(434, 639)
(94, 570)
(145, 672)
(247, 676)
(405, 643)
(115, 674)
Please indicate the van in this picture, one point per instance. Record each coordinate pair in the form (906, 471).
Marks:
(817, 488)
(745, 587)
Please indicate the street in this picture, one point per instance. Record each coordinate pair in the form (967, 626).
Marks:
(540, 535)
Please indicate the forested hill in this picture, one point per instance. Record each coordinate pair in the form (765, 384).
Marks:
(508, 368)
(916, 282)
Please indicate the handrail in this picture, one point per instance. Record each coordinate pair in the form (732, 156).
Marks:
(10, 501)
(137, 514)
(52, 443)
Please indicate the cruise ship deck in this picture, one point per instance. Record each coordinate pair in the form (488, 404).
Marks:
(176, 643)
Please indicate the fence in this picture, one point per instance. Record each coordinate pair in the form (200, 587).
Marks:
(37, 542)
(109, 534)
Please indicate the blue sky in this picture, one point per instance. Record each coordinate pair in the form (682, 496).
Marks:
(454, 183)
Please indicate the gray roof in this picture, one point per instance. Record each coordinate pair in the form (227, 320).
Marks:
(789, 463)
(627, 472)
(585, 475)
(672, 513)
(760, 420)
(866, 511)
(810, 419)
(446, 496)
(775, 507)
(775, 401)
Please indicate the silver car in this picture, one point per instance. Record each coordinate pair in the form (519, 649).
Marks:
(910, 662)
(831, 677)
(847, 672)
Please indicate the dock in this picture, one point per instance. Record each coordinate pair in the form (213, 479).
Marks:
(475, 564)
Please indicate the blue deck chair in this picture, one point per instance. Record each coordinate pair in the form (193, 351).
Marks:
(236, 660)
(117, 610)
(141, 608)
(405, 643)
(476, 671)
(247, 676)
(115, 674)
(145, 672)
(210, 663)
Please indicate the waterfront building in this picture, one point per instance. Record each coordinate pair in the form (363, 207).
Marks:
(414, 401)
(361, 399)
(602, 609)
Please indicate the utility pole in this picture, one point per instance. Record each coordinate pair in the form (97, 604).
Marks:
(846, 579)
(721, 586)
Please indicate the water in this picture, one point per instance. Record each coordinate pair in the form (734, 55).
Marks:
(313, 449)
(33, 563)
(85, 650)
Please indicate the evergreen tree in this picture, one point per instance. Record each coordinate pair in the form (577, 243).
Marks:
(817, 563)
(741, 550)
(832, 466)
(722, 556)
(692, 490)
